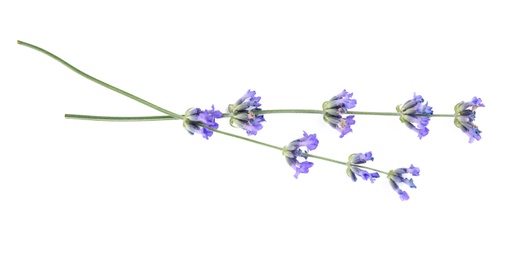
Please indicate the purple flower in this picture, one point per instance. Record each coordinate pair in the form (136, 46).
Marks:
(353, 170)
(335, 108)
(195, 121)
(398, 176)
(243, 113)
(412, 115)
(465, 114)
(293, 150)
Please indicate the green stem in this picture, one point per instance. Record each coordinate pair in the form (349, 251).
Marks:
(369, 168)
(288, 111)
(349, 112)
(373, 113)
(244, 138)
(119, 118)
(343, 163)
(275, 111)
(127, 94)
(394, 114)
(442, 115)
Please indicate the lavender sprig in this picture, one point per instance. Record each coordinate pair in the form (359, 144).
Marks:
(246, 113)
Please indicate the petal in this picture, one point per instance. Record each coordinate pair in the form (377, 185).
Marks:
(477, 102)
(403, 195)
(309, 141)
(414, 171)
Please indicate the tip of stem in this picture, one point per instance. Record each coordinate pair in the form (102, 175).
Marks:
(18, 41)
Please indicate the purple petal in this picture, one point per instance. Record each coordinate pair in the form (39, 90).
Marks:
(414, 171)
(302, 167)
(477, 102)
(423, 132)
(403, 195)
(309, 141)
(360, 158)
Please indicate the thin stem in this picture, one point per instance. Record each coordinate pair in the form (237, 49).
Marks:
(369, 168)
(373, 113)
(275, 111)
(349, 112)
(113, 88)
(441, 115)
(324, 158)
(394, 114)
(244, 138)
(288, 111)
(119, 118)
(343, 163)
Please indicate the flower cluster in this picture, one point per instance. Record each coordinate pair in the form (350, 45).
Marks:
(353, 170)
(243, 113)
(398, 176)
(293, 150)
(415, 115)
(195, 121)
(465, 114)
(335, 108)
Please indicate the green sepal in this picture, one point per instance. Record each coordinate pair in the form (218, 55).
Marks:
(457, 107)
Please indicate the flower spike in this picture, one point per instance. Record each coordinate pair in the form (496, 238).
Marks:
(243, 113)
(195, 119)
(412, 115)
(293, 150)
(335, 108)
(465, 114)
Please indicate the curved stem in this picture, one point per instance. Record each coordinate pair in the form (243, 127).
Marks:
(111, 87)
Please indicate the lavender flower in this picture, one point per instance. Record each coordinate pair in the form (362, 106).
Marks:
(397, 177)
(412, 115)
(335, 108)
(360, 158)
(465, 113)
(195, 119)
(243, 113)
(292, 151)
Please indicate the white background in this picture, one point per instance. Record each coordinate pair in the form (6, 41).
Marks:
(73, 189)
